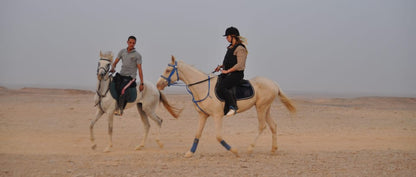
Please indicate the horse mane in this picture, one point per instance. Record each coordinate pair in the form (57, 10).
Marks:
(191, 67)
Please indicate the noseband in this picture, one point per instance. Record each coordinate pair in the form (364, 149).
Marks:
(106, 69)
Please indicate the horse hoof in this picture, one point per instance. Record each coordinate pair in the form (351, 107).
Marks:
(274, 149)
(94, 146)
(107, 149)
(189, 154)
(235, 152)
(250, 149)
(161, 145)
(139, 147)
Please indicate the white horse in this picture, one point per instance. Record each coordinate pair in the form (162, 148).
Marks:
(146, 102)
(202, 88)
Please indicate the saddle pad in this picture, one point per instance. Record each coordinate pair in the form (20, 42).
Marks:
(131, 93)
(243, 91)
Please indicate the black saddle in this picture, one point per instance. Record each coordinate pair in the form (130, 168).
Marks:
(118, 84)
(243, 91)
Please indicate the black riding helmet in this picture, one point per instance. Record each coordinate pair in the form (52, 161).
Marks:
(232, 31)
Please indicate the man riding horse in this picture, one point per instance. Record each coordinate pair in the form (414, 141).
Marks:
(131, 62)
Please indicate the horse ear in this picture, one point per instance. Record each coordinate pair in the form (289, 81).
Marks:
(173, 59)
(101, 54)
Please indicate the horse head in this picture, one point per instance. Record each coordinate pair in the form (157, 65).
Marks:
(104, 64)
(170, 76)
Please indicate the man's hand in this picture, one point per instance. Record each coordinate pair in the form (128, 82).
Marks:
(141, 87)
(113, 66)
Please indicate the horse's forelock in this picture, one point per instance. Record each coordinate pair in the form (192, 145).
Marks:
(107, 55)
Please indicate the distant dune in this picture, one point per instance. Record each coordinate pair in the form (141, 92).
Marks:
(46, 90)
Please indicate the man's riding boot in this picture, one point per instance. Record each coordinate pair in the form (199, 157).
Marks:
(122, 103)
(118, 112)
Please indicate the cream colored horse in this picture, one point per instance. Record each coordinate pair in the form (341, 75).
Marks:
(146, 102)
(201, 86)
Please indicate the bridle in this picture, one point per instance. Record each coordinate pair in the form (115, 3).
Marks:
(175, 70)
(106, 70)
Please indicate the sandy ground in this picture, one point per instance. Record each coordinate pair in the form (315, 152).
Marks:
(45, 132)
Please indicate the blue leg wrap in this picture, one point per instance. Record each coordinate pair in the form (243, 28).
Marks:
(228, 147)
(196, 141)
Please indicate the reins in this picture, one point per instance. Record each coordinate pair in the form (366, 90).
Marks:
(199, 82)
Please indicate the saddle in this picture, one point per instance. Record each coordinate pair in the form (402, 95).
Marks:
(116, 87)
(243, 91)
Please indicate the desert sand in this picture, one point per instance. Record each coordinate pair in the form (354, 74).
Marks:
(45, 132)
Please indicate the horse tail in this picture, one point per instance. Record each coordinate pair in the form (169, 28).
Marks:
(175, 112)
(286, 101)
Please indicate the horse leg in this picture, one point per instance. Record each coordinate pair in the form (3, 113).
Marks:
(273, 129)
(218, 132)
(146, 125)
(261, 115)
(151, 113)
(202, 120)
(98, 115)
(110, 130)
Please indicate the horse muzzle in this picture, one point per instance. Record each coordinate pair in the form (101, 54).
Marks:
(100, 75)
(161, 84)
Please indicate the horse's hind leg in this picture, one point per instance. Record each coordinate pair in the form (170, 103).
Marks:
(261, 115)
(146, 125)
(151, 113)
(150, 109)
(159, 121)
(273, 129)
(98, 115)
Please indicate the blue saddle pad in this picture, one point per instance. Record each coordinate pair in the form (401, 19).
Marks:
(132, 93)
(243, 91)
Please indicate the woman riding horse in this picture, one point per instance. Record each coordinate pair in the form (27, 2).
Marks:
(232, 69)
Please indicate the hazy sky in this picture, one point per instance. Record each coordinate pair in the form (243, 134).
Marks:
(365, 47)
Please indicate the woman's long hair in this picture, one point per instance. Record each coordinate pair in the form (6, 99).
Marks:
(239, 40)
